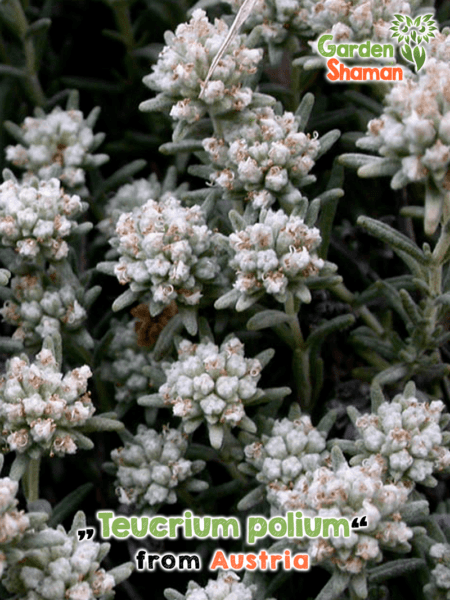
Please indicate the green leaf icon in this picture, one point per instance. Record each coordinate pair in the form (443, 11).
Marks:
(407, 53)
(419, 57)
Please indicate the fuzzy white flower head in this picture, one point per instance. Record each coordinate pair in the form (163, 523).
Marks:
(292, 448)
(227, 586)
(414, 132)
(13, 523)
(210, 384)
(275, 256)
(347, 492)
(65, 569)
(184, 63)
(36, 307)
(153, 466)
(406, 434)
(166, 249)
(136, 194)
(58, 145)
(41, 409)
(35, 216)
(263, 152)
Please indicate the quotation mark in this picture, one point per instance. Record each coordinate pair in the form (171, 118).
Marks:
(85, 533)
(359, 522)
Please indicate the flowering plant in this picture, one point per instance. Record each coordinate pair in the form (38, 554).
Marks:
(194, 323)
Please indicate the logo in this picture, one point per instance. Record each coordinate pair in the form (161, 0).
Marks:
(409, 34)
(413, 33)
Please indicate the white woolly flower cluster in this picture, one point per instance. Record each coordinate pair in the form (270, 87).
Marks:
(134, 194)
(292, 448)
(40, 409)
(348, 492)
(35, 216)
(278, 20)
(38, 310)
(264, 157)
(407, 436)
(439, 586)
(414, 129)
(167, 249)
(58, 145)
(153, 466)
(211, 384)
(275, 256)
(13, 523)
(358, 20)
(227, 586)
(66, 570)
(126, 363)
(184, 63)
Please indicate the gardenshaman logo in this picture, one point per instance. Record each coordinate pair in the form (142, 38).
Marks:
(414, 32)
(411, 32)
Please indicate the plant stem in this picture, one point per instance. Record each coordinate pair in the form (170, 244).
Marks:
(301, 366)
(342, 292)
(31, 480)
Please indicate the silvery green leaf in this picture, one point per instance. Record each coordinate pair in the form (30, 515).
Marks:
(68, 505)
(122, 572)
(10, 346)
(304, 110)
(106, 267)
(392, 237)
(265, 356)
(358, 585)
(276, 393)
(395, 568)
(376, 396)
(216, 434)
(18, 467)
(188, 317)
(237, 221)
(337, 458)
(83, 442)
(355, 160)
(91, 296)
(267, 318)
(191, 425)
(353, 414)
(82, 228)
(245, 302)
(381, 167)
(100, 423)
(322, 331)
(155, 400)
(161, 102)
(434, 201)
(92, 117)
(47, 537)
(16, 132)
(122, 175)
(171, 594)
(124, 300)
(260, 100)
(183, 146)
(313, 212)
(327, 421)
(252, 498)
(327, 140)
(334, 587)
(165, 338)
